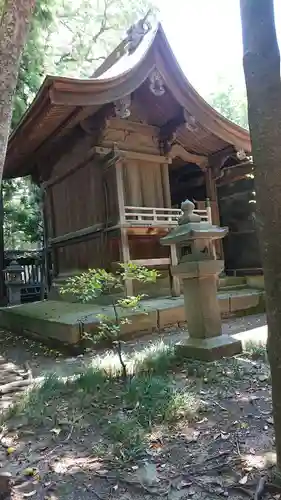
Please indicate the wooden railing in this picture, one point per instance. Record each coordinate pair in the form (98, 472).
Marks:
(139, 216)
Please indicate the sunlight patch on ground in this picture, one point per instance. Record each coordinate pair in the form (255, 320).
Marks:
(257, 335)
(72, 464)
(259, 461)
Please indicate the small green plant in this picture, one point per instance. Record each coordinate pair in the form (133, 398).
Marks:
(256, 350)
(96, 282)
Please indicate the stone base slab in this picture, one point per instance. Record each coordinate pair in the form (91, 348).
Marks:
(211, 349)
(61, 320)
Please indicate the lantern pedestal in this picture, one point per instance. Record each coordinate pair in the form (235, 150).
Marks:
(210, 349)
(14, 282)
(199, 272)
(14, 294)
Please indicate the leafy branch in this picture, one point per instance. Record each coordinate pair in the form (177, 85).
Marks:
(93, 283)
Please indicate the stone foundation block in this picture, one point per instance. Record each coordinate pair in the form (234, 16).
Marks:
(172, 316)
(243, 302)
(211, 349)
(224, 305)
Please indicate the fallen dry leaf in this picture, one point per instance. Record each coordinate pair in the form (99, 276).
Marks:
(225, 436)
(243, 479)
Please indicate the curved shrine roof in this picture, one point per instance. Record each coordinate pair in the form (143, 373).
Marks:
(63, 102)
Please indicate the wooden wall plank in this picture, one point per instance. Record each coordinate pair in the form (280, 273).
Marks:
(79, 200)
(132, 185)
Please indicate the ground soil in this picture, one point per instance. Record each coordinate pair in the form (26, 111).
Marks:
(222, 454)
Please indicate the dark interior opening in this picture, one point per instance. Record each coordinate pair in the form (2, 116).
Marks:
(187, 181)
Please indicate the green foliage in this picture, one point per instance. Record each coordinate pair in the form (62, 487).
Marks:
(88, 30)
(91, 284)
(64, 38)
(22, 215)
(256, 350)
(231, 101)
(32, 66)
(95, 282)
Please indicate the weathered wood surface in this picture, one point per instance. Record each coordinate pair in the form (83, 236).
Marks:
(237, 212)
(87, 195)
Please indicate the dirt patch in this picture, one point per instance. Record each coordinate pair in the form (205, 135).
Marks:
(220, 453)
(210, 435)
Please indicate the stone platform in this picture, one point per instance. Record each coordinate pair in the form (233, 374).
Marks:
(63, 321)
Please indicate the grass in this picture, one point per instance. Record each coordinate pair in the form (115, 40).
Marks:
(124, 415)
(256, 351)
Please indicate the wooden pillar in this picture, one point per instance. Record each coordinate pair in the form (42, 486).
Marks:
(166, 185)
(46, 278)
(125, 249)
(174, 280)
(54, 250)
(211, 190)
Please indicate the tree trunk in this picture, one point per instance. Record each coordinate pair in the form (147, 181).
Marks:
(3, 292)
(13, 30)
(262, 73)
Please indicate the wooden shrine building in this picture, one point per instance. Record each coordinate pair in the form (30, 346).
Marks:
(116, 154)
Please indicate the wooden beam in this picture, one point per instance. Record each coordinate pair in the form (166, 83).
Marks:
(166, 185)
(217, 160)
(125, 249)
(120, 190)
(45, 267)
(152, 262)
(168, 132)
(130, 126)
(135, 155)
(79, 164)
(50, 195)
(76, 234)
(179, 151)
(230, 174)
(211, 190)
(147, 231)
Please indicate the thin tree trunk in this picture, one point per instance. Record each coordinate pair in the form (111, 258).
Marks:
(3, 294)
(13, 30)
(262, 73)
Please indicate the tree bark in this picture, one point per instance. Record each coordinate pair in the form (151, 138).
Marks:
(3, 291)
(262, 73)
(14, 22)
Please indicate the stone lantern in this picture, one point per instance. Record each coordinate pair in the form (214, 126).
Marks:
(198, 269)
(14, 282)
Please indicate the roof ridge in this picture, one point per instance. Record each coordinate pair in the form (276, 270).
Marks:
(135, 35)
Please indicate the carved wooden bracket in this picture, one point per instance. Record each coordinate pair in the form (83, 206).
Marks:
(178, 150)
(217, 160)
(122, 107)
(236, 172)
(98, 120)
(156, 84)
(168, 133)
(190, 122)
